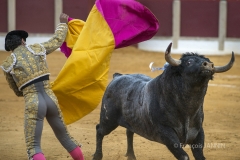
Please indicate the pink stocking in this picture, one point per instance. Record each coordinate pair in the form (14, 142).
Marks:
(77, 154)
(38, 156)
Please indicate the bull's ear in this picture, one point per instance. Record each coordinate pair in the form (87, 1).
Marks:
(220, 69)
(169, 59)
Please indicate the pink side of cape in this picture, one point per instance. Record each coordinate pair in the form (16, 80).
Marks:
(129, 20)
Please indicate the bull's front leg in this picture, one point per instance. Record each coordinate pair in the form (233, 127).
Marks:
(130, 152)
(198, 145)
(171, 140)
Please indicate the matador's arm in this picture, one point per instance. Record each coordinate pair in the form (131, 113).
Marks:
(58, 38)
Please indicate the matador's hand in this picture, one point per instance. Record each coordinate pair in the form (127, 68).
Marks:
(63, 18)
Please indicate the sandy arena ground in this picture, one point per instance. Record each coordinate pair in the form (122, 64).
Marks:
(221, 107)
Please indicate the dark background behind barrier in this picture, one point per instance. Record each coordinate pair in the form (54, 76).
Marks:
(162, 9)
(78, 9)
(35, 16)
(3, 16)
(233, 19)
(199, 18)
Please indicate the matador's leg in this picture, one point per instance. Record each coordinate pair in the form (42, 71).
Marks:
(55, 119)
(35, 111)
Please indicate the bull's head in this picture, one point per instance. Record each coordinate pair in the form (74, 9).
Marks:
(207, 65)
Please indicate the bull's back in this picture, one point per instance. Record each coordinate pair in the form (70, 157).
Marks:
(122, 82)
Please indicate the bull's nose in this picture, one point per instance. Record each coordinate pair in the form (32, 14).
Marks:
(208, 65)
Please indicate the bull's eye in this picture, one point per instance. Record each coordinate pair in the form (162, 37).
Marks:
(190, 62)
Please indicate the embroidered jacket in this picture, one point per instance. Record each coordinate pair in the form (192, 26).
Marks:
(28, 63)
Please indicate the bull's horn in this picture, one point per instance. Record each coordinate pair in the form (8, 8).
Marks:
(225, 68)
(169, 59)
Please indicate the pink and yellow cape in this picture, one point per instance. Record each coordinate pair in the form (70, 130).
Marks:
(111, 24)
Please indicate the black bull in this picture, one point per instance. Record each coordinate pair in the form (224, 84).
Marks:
(167, 109)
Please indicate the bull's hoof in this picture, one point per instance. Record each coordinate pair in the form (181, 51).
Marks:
(184, 158)
(97, 156)
(200, 158)
(130, 156)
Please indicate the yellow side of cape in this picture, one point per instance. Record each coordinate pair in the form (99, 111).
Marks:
(82, 81)
(75, 27)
